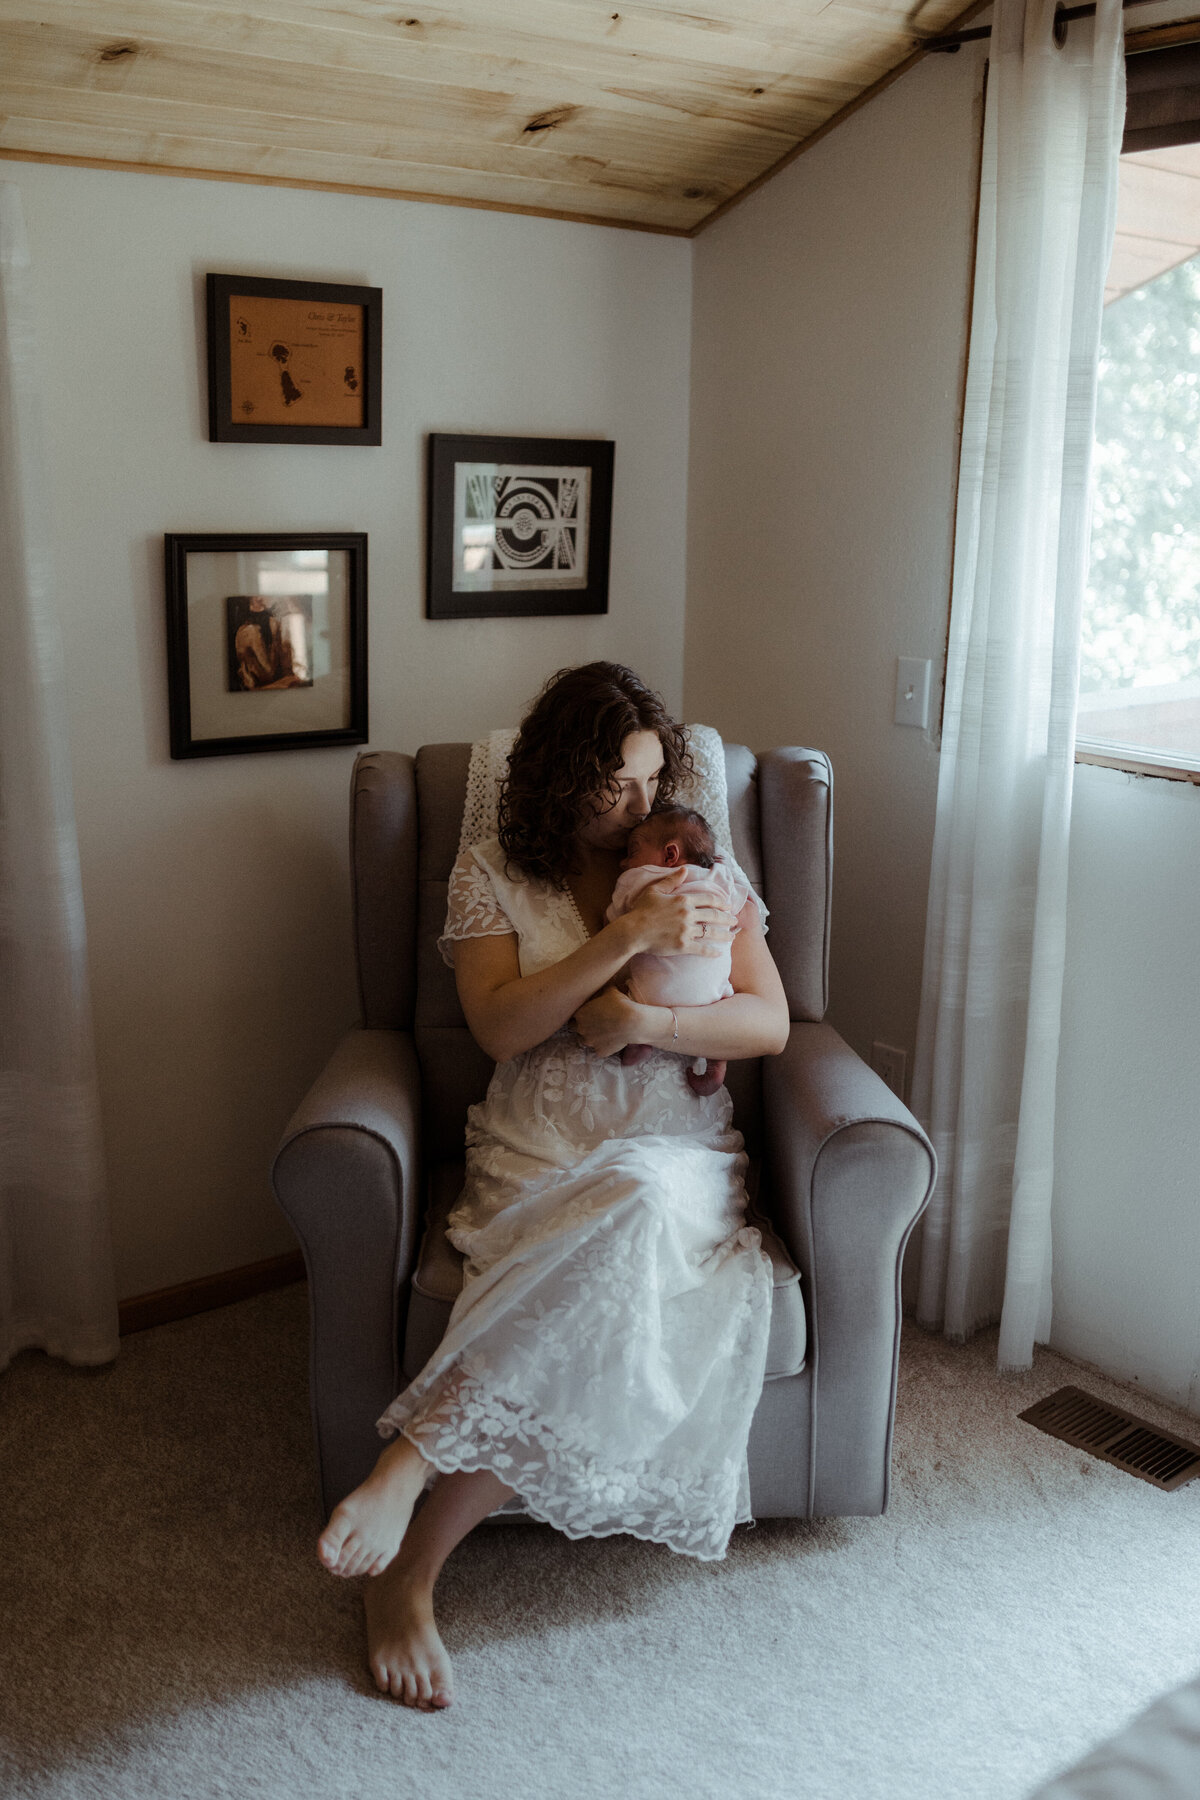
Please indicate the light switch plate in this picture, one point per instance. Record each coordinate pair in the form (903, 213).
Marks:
(912, 691)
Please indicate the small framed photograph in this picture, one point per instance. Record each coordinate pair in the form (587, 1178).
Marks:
(293, 362)
(266, 641)
(517, 526)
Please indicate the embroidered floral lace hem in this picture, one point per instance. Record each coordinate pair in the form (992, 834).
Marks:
(469, 1426)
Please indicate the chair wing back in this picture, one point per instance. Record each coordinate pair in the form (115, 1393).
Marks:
(454, 1070)
(383, 866)
(405, 822)
(795, 817)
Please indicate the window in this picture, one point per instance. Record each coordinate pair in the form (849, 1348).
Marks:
(1139, 702)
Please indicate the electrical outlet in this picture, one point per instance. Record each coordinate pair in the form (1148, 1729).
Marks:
(892, 1064)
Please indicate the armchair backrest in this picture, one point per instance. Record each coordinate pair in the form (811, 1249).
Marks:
(405, 817)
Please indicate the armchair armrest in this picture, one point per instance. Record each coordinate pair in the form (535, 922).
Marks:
(850, 1173)
(346, 1176)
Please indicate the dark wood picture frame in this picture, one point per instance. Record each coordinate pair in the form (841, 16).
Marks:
(541, 597)
(178, 547)
(224, 424)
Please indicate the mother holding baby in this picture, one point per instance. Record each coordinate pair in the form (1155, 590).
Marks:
(606, 1354)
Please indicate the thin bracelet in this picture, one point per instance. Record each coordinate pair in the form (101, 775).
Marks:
(675, 1023)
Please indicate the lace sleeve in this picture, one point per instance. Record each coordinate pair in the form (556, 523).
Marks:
(472, 909)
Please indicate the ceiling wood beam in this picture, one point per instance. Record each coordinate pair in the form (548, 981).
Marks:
(642, 115)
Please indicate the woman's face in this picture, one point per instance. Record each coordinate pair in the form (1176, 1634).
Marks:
(637, 778)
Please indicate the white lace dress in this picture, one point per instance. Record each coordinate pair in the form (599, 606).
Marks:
(606, 1354)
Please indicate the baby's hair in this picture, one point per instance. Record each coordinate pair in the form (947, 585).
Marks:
(693, 831)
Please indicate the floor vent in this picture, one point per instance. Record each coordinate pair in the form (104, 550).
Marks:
(1116, 1437)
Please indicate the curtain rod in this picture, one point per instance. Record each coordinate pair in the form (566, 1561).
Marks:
(1063, 15)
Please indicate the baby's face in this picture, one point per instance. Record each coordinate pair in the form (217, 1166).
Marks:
(652, 847)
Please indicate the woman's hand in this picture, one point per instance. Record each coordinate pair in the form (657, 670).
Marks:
(607, 1022)
(668, 923)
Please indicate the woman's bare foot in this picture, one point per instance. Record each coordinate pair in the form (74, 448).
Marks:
(365, 1531)
(404, 1652)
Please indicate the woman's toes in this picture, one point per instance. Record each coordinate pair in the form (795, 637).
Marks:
(331, 1542)
(441, 1686)
(340, 1545)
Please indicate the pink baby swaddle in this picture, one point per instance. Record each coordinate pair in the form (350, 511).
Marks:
(680, 980)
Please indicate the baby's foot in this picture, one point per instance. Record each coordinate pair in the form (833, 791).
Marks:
(710, 1081)
(635, 1053)
(404, 1652)
(365, 1531)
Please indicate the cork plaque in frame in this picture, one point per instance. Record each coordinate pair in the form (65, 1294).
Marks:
(293, 362)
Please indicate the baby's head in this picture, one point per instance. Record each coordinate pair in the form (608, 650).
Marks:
(670, 838)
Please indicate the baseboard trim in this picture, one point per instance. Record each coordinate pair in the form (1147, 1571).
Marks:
(190, 1297)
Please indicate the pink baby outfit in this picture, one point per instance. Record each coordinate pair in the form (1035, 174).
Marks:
(680, 980)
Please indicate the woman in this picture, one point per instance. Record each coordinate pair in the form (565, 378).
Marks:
(262, 650)
(606, 1354)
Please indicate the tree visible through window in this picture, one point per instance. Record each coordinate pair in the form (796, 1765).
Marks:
(1140, 669)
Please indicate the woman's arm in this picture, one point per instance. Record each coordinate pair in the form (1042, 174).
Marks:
(752, 1021)
(509, 1012)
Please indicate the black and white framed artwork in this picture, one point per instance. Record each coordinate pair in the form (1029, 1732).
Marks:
(518, 526)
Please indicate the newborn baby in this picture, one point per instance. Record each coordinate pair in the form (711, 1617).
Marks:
(677, 842)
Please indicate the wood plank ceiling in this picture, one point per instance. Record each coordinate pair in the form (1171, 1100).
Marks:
(632, 112)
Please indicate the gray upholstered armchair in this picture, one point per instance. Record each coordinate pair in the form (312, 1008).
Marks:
(372, 1160)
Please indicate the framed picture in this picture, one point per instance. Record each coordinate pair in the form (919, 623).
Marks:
(517, 526)
(266, 641)
(293, 362)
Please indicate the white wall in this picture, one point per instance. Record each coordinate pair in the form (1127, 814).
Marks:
(1127, 1168)
(830, 314)
(830, 328)
(216, 890)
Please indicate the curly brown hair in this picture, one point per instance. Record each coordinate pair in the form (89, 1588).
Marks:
(567, 752)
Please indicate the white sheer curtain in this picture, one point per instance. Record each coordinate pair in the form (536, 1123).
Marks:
(987, 1041)
(56, 1280)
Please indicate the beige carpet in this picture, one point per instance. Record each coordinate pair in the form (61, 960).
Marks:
(168, 1632)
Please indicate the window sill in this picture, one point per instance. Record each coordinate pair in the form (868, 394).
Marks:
(1138, 760)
